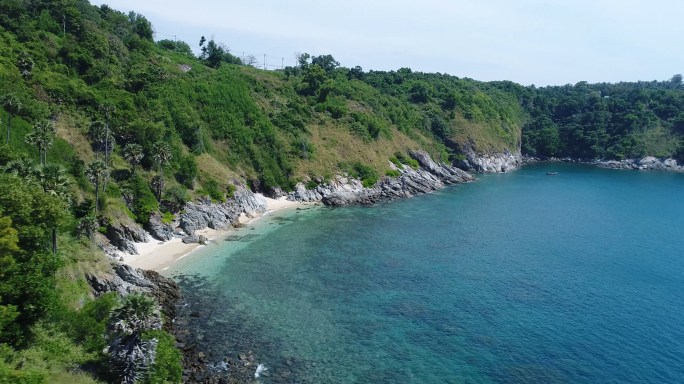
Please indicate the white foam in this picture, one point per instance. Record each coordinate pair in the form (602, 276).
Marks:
(259, 370)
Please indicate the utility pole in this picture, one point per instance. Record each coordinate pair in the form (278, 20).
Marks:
(282, 62)
(264, 61)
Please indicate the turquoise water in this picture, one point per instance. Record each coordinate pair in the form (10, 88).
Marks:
(516, 278)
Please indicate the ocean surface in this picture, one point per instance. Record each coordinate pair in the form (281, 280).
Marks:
(516, 278)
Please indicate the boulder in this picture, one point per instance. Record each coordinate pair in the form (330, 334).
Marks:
(158, 229)
(124, 235)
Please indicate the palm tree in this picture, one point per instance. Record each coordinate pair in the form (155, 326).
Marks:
(12, 105)
(161, 155)
(103, 141)
(53, 179)
(95, 172)
(97, 133)
(132, 356)
(133, 153)
(21, 167)
(137, 313)
(42, 136)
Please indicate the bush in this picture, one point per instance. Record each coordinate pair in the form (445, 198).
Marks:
(175, 198)
(230, 191)
(211, 188)
(404, 159)
(365, 173)
(187, 171)
(167, 366)
(88, 325)
(142, 201)
(392, 173)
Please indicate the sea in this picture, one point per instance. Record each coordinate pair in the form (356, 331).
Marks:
(520, 277)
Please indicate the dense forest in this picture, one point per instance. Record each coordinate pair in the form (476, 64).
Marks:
(102, 124)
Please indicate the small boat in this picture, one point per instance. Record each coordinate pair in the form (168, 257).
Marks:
(551, 173)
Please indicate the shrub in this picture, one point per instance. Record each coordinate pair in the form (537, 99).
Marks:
(175, 198)
(230, 190)
(392, 173)
(141, 199)
(211, 188)
(167, 366)
(408, 160)
(311, 184)
(365, 173)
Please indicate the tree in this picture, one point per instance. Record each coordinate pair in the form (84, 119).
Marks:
(21, 167)
(28, 281)
(53, 179)
(132, 356)
(676, 79)
(95, 172)
(8, 246)
(251, 61)
(327, 62)
(213, 54)
(97, 132)
(42, 136)
(303, 60)
(133, 153)
(161, 155)
(102, 138)
(12, 106)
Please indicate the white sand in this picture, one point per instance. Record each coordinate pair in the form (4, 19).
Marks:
(157, 255)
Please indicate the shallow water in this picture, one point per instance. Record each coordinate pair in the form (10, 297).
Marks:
(516, 278)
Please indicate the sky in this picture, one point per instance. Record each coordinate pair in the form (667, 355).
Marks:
(540, 42)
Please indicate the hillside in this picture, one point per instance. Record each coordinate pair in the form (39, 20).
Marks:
(103, 127)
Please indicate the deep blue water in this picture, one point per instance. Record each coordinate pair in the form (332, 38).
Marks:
(516, 278)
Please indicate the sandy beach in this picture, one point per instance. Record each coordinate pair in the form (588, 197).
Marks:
(156, 255)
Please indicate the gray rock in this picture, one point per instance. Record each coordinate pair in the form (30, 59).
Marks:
(158, 229)
(206, 214)
(123, 279)
(191, 239)
(343, 190)
(490, 162)
(646, 163)
(124, 235)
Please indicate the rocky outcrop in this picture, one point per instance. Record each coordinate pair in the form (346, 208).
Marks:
(124, 235)
(166, 292)
(648, 162)
(645, 163)
(490, 163)
(158, 229)
(123, 279)
(343, 190)
(206, 214)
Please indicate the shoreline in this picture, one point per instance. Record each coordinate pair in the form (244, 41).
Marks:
(157, 255)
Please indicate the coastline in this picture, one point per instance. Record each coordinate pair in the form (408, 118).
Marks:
(157, 255)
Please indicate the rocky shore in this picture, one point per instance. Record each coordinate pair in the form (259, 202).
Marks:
(645, 163)
(344, 190)
(492, 162)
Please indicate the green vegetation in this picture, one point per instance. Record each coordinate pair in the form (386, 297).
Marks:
(615, 121)
(103, 125)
